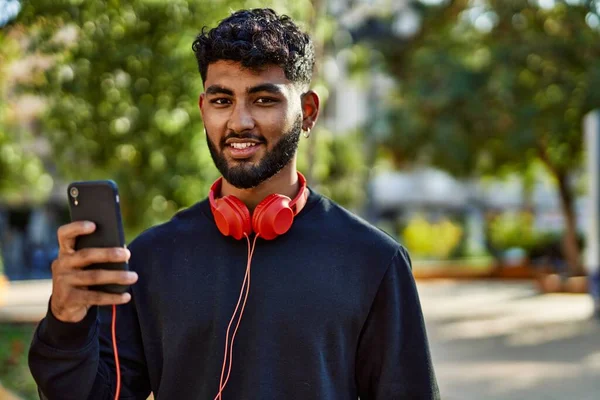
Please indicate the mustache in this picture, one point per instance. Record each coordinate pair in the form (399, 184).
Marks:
(250, 136)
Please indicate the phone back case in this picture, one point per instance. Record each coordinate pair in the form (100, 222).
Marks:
(98, 201)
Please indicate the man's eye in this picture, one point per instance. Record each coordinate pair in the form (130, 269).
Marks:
(220, 101)
(266, 100)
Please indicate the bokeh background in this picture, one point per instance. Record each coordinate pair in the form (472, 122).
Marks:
(463, 128)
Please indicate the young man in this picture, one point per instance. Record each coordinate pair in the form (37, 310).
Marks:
(266, 290)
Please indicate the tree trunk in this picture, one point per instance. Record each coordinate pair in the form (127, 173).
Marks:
(570, 245)
(571, 248)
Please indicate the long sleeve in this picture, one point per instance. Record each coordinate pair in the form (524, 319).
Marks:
(76, 361)
(393, 360)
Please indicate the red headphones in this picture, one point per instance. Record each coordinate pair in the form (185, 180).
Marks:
(272, 217)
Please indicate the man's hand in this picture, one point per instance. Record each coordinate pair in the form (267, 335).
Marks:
(71, 300)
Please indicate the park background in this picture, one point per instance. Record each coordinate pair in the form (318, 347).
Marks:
(457, 126)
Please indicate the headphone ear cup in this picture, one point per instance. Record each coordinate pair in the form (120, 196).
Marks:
(232, 217)
(273, 216)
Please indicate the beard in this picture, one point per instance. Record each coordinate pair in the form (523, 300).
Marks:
(246, 175)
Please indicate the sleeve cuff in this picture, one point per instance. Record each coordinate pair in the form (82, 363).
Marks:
(68, 335)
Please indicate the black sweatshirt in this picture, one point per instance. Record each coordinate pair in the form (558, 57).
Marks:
(333, 313)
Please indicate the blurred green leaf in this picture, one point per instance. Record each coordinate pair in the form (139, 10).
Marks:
(494, 86)
(120, 85)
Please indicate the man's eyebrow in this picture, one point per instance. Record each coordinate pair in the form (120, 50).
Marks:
(266, 87)
(216, 89)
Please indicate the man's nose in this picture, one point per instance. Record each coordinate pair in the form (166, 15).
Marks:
(241, 119)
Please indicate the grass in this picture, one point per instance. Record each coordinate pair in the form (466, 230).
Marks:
(14, 371)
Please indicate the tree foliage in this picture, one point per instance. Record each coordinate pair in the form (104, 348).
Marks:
(20, 171)
(121, 92)
(500, 83)
(497, 84)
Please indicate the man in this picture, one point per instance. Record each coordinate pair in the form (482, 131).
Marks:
(321, 305)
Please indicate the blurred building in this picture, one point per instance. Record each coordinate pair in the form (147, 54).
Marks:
(28, 242)
(396, 192)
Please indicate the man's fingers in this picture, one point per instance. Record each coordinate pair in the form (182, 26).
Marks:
(101, 277)
(85, 257)
(69, 232)
(97, 298)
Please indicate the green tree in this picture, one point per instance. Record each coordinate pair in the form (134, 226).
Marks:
(121, 93)
(22, 175)
(496, 86)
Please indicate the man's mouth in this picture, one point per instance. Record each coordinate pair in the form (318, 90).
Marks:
(242, 150)
(242, 145)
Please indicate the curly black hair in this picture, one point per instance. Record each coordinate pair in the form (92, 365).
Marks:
(257, 38)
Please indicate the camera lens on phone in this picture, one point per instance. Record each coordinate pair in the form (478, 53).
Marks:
(74, 192)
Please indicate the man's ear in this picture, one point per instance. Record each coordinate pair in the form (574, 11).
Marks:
(201, 99)
(310, 109)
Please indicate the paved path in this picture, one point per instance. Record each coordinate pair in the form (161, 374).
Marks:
(24, 301)
(504, 341)
(6, 395)
(489, 340)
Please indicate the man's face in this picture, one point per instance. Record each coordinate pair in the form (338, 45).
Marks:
(253, 121)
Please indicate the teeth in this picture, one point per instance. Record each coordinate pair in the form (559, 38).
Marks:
(241, 145)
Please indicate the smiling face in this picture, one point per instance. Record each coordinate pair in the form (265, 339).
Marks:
(253, 121)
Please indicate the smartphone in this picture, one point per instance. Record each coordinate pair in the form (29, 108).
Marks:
(98, 201)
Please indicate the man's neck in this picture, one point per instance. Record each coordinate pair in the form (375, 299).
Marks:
(285, 182)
